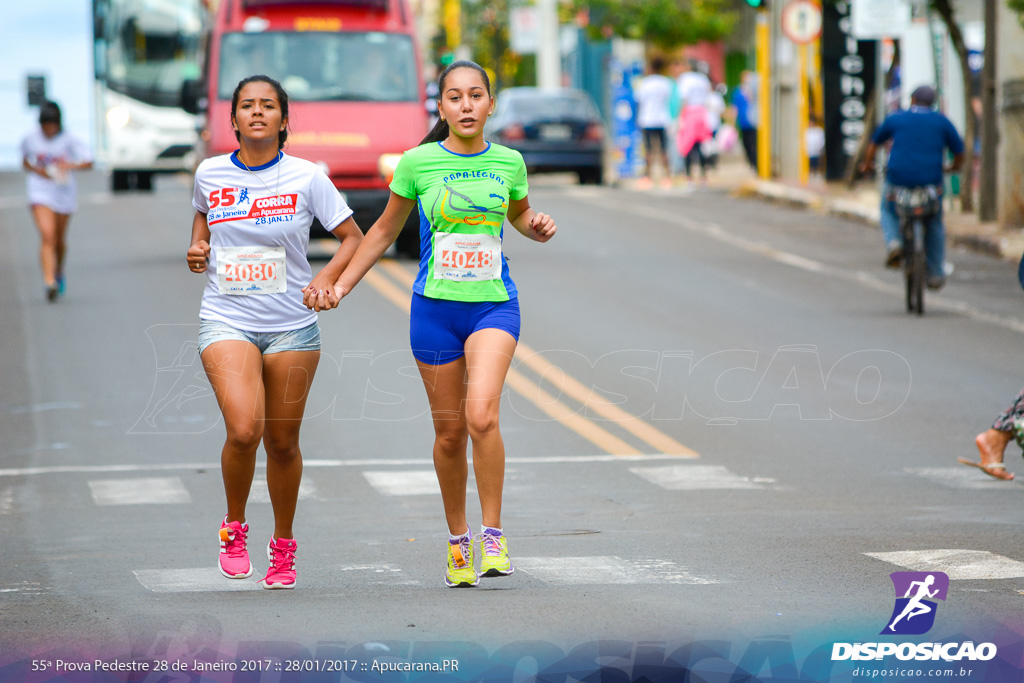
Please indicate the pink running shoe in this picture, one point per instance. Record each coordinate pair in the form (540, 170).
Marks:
(281, 574)
(234, 558)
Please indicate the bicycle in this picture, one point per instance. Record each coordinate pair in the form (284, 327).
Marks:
(915, 207)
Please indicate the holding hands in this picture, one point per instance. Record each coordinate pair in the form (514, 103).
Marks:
(320, 295)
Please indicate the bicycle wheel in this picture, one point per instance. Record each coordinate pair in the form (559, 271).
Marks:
(907, 231)
(920, 266)
(914, 265)
(909, 277)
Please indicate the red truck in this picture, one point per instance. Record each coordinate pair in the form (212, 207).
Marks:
(353, 73)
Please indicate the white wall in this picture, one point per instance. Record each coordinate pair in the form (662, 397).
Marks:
(51, 38)
(1010, 79)
(918, 65)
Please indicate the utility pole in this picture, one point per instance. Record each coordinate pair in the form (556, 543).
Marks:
(549, 55)
(987, 182)
(764, 94)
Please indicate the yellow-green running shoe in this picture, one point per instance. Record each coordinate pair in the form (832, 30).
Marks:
(494, 559)
(460, 572)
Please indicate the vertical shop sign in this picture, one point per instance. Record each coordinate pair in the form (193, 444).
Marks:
(848, 69)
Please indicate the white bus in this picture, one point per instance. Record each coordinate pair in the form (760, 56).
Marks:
(145, 50)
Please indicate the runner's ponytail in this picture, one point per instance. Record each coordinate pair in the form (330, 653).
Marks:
(438, 133)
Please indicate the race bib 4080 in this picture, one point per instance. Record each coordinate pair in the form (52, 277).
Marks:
(251, 270)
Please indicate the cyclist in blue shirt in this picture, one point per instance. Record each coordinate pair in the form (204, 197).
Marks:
(919, 137)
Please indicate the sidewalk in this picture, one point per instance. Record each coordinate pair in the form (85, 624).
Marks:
(862, 204)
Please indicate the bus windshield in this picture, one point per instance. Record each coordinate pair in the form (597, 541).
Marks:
(146, 49)
(371, 67)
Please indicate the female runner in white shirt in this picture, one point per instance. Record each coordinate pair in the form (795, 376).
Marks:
(259, 344)
(50, 155)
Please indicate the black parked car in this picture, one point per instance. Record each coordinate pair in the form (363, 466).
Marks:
(554, 130)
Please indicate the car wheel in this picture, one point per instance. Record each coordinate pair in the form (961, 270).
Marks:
(591, 176)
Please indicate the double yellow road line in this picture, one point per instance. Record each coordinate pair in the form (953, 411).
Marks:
(574, 419)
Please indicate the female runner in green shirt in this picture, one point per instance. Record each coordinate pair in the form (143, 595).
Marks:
(464, 324)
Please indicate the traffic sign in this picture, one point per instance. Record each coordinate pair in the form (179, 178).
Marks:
(872, 19)
(801, 21)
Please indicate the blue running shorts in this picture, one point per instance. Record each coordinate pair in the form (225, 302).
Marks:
(439, 328)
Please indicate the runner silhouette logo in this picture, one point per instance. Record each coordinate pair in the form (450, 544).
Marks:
(916, 593)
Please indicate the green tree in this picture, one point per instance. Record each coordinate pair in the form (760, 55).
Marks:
(665, 24)
(946, 10)
(1018, 7)
(485, 30)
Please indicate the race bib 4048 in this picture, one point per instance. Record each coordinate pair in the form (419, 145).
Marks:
(466, 258)
(251, 270)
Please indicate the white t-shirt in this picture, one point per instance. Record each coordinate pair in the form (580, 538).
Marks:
(716, 107)
(694, 89)
(652, 98)
(57, 192)
(265, 207)
(815, 140)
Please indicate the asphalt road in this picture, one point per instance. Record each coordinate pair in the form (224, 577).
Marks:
(721, 427)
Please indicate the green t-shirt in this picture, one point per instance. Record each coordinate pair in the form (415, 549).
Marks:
(463, 200)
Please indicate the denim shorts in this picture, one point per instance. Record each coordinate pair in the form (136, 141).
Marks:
(303, 339)
(438, 328)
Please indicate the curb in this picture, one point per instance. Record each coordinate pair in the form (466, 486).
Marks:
(1007, 248)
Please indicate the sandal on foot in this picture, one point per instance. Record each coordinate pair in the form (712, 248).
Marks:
(996, 470)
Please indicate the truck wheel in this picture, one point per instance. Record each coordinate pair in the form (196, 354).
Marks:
(123, 181)
(119, 181)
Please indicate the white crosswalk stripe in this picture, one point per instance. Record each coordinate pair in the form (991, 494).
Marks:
(205, 579)
(259, 493)
(310, 463)
(698, 477)
(962, 477)
(404, 483)
(407, 482)
(209, 579)
(958, 564)
(9, 203)
(418, 482)
(139, 491)
(597, 570)
(380, 573)
(606, 570)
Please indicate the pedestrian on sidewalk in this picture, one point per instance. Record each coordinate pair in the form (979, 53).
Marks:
(814, 141)
(744, 101)
(919, 139)
(1008, 426)
(694, 94)
(259, 343)
(464, 321)
(715, 107)
(51, 155)
(653, 96)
